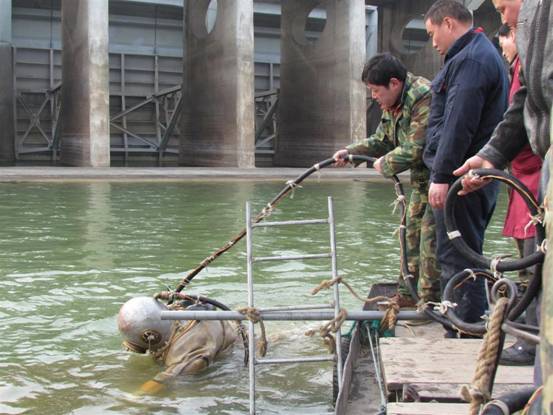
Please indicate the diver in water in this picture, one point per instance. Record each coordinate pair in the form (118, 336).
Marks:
(184, 347)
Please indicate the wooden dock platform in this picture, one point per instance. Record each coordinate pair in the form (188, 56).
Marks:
(434, 369)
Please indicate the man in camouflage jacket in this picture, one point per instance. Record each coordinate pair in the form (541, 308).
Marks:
(398, 143)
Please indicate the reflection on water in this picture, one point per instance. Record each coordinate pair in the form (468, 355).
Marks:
(71, 254)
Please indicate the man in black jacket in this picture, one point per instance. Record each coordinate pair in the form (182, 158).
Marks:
(469, 97)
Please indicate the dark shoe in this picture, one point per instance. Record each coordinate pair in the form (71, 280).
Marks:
(519, 354)
(404, 301)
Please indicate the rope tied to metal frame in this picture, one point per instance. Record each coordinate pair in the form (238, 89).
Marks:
(479, 391)
(326, 330)
(253, 315)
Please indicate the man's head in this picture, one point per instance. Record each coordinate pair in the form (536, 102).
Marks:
(507, 42)
(446, 21)
(384, 75)
(508, 9)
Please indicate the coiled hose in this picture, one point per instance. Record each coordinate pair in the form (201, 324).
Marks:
(496, 265)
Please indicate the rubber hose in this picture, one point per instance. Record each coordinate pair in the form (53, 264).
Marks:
(459, 243)
(514, 401)
(448, 295)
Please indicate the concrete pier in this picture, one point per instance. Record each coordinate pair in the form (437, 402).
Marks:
(85, 137)
(7, 96)
(322, 100)
(218, 86)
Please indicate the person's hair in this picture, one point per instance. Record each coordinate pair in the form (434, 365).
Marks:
(448, 8)
(504, 31)
(383, 67)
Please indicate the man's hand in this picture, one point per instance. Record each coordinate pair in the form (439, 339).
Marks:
(341, 158)
(470, 182)
(378, 165)
(437, 194)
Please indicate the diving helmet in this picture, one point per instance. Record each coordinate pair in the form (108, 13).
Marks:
(139, 322)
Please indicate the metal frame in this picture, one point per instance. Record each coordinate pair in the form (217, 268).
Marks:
(289, 313)
(254, 361)
(43, 117)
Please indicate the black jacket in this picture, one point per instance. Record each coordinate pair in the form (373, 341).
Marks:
(469, 98)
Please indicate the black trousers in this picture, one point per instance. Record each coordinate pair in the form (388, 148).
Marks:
(472, 213)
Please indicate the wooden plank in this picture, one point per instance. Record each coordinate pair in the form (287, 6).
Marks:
(440, 361)
(417, 408)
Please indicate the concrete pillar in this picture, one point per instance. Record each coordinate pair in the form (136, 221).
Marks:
(218, 126)
(7, 96)
(322, 99)
(392, 20)
(85, 84)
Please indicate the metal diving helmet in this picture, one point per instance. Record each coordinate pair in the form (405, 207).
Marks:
(139, 322)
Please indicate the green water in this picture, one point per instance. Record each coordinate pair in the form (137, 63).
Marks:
(72, 253)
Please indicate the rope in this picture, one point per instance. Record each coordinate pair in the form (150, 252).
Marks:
(534, 220)
(479, 391)
(389, 319)
(331, 327)
(292, 185)
(178, 330)
(399, 200)
(254, 316)
(325, 284)
(543, 246)
(531, 401)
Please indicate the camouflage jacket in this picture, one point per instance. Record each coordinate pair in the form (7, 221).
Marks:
(401, 135)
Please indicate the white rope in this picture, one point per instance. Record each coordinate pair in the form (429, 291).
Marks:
(534, 220)
(543, 246)
(292, 185)
(493, 266)
(396, 203)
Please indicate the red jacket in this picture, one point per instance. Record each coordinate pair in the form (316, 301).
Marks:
(526, 167)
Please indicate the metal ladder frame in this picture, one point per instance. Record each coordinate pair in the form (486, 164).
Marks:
(253, 360)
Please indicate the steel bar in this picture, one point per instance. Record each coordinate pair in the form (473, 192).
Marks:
(266, 93)
(264, 141)
(297, 308)
(251, 325)
(336, 291)
(128, 111)
(290, 258)
(312, 359)
(266, 119)
(291, 222)
(287, 315)
(152, 145)
(171, 126)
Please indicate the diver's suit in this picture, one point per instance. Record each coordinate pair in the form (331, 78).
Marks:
(192, 347)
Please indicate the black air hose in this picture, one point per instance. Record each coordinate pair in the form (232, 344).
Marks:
(479, 260)
(511, 402)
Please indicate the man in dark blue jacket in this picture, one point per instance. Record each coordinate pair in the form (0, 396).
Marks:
(469, 97)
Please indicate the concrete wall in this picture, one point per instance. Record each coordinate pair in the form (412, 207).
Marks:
(218, 86)
(85, 90)
(7, 147)
(322, 101)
